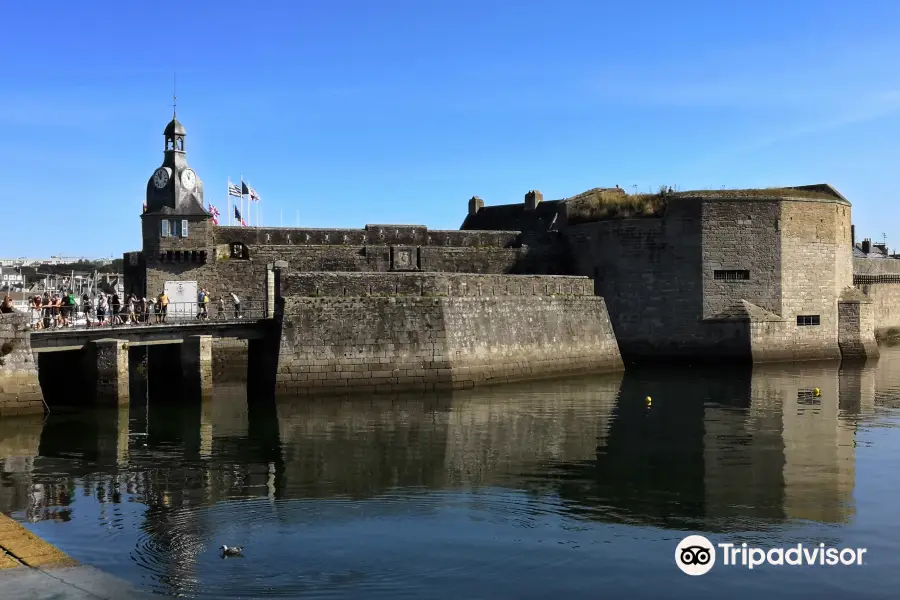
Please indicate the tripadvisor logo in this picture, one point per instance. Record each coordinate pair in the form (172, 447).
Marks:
(696, 555)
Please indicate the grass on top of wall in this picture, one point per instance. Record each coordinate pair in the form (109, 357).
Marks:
(600, 204)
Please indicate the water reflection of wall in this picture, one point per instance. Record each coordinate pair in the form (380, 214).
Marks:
(490, 436)
(887, 376)
(791, 452)
(19, 440)
(713, 446)
(717, 446)
(819, 462)
(362, 448)
(499, 435)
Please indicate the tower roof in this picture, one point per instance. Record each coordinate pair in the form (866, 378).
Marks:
(174, 128)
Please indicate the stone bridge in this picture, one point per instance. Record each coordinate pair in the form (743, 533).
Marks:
(98, 358)
(60, 340)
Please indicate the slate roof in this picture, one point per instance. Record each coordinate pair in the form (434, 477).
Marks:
(174, 128)
(514, 217)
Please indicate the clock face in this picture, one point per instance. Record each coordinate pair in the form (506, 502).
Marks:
(188, 179)
(160, 178)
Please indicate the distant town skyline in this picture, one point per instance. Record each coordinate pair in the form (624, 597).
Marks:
(346, 116)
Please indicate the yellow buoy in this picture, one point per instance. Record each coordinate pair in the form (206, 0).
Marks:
(648, 399)
(817, 392)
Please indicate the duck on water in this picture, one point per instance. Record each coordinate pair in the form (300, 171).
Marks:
(231, 551)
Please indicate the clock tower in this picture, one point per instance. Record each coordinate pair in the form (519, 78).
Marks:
(174, 188)
(177, 230)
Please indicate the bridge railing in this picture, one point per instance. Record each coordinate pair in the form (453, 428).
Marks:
(174, 313)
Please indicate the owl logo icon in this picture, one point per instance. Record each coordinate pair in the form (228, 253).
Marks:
(695, 555)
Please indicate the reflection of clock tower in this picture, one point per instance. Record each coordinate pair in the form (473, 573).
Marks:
(177, 230)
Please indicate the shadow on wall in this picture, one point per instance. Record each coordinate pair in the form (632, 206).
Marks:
(543, 254)
(649, 271)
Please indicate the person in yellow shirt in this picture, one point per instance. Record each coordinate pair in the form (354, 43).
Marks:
(163, 308)
(206, 304)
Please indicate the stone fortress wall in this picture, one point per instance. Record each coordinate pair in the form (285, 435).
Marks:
(20, 391)
(395, 307)
(785, 259)
(717, 276)
(879, 280)
(431, 331)
(761, 275)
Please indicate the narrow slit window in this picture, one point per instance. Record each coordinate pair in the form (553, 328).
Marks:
(731, 275)
(807, 320)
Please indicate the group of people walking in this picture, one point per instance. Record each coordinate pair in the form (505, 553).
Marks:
(203, 301)
(61, 309)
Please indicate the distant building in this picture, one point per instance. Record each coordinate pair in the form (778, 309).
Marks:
(866, 249)
(10, 277)
(53, 260)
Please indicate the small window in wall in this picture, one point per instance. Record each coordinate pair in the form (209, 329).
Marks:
(184, 228)
(164, 231)
(239, 250)
(807, 320)
(731, 275)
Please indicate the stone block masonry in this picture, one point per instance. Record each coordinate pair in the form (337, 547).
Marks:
(108, 360)
(754, 279)
(229, 360)
(373, 344)
(20, 391)
(879, 280)
(856, 325)
(196, 363)
(432, 284)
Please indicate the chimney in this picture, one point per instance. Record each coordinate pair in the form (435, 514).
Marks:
(853, 236)
(475, 204)
(867, 245)
(532, 199)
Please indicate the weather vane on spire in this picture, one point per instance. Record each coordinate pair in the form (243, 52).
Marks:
(174, 97)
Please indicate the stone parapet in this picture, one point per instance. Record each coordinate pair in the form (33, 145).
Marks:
(342, 345)
(432, 284)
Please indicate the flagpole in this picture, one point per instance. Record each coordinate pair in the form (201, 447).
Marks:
(250, 203)
(228, 199)
(242, 201)
(281, 217)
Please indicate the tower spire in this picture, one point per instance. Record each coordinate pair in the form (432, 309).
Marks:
(174, 96)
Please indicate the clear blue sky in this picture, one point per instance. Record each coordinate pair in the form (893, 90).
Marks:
(399, 111)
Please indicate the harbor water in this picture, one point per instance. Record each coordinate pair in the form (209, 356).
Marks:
(577, 488)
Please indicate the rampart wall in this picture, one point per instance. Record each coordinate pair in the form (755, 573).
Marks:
(410, 340)
(237, 256)
(879, 280)
(375, 235)
(20, 391)
(666, 300)
(433, 284)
